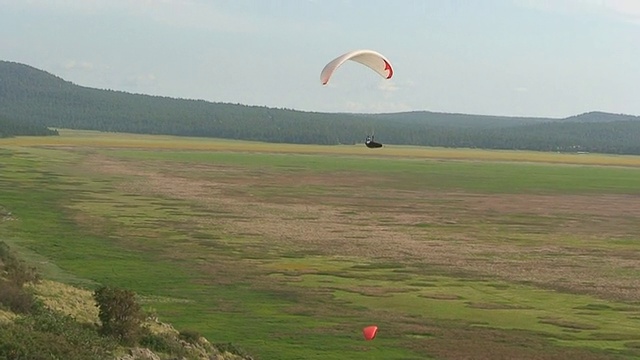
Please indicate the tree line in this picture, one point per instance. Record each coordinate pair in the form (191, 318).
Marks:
(11, 128)
(32, 97)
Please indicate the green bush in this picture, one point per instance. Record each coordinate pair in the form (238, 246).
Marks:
(163, 343)
(15, 298)
(190, 336)
(15, 270)
(120, 314)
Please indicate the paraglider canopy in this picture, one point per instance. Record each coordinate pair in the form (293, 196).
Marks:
(370, 332)
(374, 60)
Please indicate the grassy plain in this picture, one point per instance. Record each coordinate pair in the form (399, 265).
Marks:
(289, 250)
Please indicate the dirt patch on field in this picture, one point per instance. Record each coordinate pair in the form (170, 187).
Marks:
(577, 243)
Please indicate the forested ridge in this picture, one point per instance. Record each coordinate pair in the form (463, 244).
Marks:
(35, 99)
(9, 128)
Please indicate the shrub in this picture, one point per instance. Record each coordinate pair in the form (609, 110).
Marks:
(120, 314)
(15, 298)
(163, 343)
(190, 336)
(15, 270)
(232, 349)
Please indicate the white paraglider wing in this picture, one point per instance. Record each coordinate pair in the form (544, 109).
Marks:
(370, 58)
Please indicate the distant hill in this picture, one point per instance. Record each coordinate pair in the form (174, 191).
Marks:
(37, 98)
(457, 120)
(600, 117)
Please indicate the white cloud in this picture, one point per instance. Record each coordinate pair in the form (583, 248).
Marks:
(88, 6)
(194, 14)
(628, 10)
(177, 13)
(82, 65)
(387, 86)
(140, 81)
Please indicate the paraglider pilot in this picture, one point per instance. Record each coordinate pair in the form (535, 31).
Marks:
(370, 143)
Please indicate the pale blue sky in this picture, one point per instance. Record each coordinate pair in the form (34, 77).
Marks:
(552, 58)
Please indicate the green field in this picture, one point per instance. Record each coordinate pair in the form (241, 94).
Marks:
(288, 251)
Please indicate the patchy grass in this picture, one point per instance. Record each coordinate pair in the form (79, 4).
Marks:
(479, 303)
(94, 139)
(69, 300)
(6, 316)
(288, 251)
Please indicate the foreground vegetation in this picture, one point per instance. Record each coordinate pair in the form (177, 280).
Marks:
(49, 320)
(288, 251)
(40, 99)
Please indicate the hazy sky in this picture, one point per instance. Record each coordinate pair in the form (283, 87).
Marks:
(503, 57)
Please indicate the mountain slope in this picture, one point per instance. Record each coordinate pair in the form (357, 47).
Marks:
(32, 96)
(600, 117)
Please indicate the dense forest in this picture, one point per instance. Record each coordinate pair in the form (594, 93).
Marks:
(32, 97)
(10, 128)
